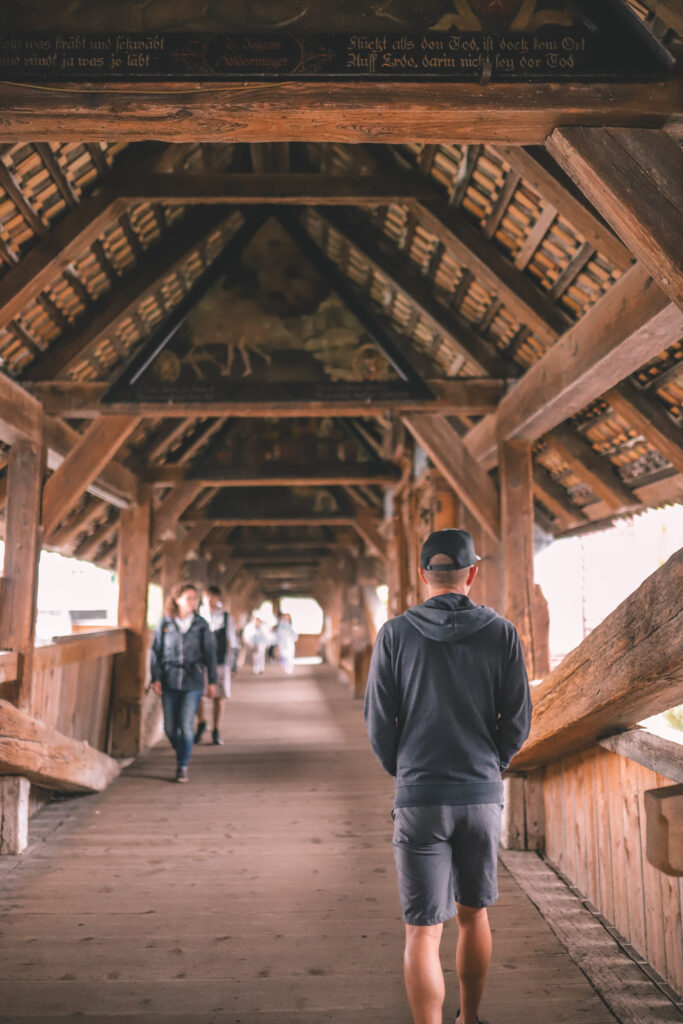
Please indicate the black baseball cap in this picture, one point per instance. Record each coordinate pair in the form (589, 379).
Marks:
(457, 544)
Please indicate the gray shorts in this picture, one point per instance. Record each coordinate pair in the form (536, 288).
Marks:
(446, 855)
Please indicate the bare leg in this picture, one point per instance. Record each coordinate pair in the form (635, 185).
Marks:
(422, 971)
(217, 712)
(472, 959)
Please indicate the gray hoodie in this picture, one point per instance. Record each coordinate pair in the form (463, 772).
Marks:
(447, 704)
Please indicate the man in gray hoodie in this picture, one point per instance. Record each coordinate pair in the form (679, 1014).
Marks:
(447, 707)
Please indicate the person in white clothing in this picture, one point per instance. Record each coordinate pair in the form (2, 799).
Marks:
(286, 638)
(259, 640)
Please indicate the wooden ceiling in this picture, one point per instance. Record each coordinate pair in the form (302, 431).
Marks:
(483, 266)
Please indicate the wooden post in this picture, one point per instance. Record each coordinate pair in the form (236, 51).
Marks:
(524, 813)
(517, 529)
(14, 814)
(23, 537)
(171, 564)
(130, 667)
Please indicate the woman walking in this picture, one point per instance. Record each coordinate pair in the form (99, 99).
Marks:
(182, 650)
(224, 633)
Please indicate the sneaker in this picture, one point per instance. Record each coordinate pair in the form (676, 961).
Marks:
(201, 729)
(217, 741)
(181, 775)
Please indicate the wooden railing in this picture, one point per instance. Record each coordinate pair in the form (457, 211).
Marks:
(577, 787)
(595, 832)
(72, 684)
(60, 742)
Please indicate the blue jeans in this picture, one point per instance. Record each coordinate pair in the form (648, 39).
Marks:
(180, 707)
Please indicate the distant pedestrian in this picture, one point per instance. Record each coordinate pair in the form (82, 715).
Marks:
(447, 708)
(183, 650)
(223, 631)
(259, 639)
(286, 638)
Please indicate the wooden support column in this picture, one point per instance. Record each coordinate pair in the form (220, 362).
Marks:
(398, 563)
(171, 564)
(524, 603)
(517, 529)
(14, 814)
(488, 586)
(524, 812)
(130, 668)
(23, 536)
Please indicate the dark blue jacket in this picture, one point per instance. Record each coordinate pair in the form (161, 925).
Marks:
(447, 704)
(179, 659)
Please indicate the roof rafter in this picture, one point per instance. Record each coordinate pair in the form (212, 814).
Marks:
(635, 179)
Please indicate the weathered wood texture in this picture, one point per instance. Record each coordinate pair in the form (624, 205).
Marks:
(306, 871)
(115, 484)
(21, 415)
(469, 481)
(596, 835)
(632, 323)
(577, 210)
(130, 668)
(629, 667)
(634, 178)
(648, 416)
(517, 539)
(330, 111)
(23, 538)
(654, 752)
(72, 685)
(84, 463)
(47, 757)
(14, 814)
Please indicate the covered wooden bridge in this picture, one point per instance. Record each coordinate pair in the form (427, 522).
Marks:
(269, 334)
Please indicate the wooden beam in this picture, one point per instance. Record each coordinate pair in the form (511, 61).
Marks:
(114, 484)
(517, 537)
(471, 483)
(556, 499)
(365, 524)
(96, 447)
(595, 470)
(274, 476)
(167, 514)
(628, 668)
(448, 112)
(21, 415)
(318, 519)
(128, 687)
(48, 758)
(635, 179)
(393, 265)
(655, 752)
(23, 537)
(632, 323)
(65, 243)
(104, 316)
(647, 415)
(565, 199)
(465, 396)
(288, 189)
(102, 533)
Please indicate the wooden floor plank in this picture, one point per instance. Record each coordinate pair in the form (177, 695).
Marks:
(263, 892)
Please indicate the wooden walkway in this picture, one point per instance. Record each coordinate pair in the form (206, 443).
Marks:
(262, 892)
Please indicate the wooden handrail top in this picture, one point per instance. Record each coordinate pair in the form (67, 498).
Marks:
(8, 666)
(66, 650)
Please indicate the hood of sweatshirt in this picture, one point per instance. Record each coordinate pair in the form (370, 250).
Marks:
(449, 617)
